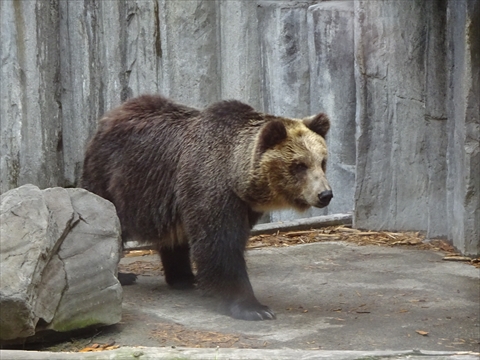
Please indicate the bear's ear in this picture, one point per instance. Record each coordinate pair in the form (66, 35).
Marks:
(273, 133)
(319, 123)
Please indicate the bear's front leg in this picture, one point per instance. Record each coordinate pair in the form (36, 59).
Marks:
(218, 245)
(222, 271)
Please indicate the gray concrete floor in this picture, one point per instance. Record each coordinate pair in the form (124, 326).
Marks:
(333, 300)
(327, 296)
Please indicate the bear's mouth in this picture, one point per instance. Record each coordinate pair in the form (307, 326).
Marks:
(301, 204)
(322, 203)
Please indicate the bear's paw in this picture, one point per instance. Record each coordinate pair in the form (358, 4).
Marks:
(250, 310)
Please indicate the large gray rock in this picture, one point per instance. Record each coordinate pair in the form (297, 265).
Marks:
(59, 251)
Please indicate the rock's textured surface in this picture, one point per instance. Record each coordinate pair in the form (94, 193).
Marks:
(59, 250)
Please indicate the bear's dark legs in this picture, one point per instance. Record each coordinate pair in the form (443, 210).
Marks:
(223, 272)
(177, 266)
(218, 251)
(242, 304)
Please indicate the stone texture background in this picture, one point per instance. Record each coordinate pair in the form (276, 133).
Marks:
(398, 78)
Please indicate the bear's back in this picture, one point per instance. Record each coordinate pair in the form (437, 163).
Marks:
(148, 149)
(132, 158)
(145, 110)
(231, 114)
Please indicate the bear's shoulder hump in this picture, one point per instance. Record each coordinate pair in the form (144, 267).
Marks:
(229, 108)
(157, 104)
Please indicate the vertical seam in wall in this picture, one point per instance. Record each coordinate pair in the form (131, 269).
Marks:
(21, 56)
(41, 77)
(158, 44)
(309, 64)
(123, 53)
(360, 96)
(425, 82)
(218, 33)
(65, 90)
(165, 51)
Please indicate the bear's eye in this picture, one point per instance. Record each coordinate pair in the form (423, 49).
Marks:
(324, 165)
(299, 167)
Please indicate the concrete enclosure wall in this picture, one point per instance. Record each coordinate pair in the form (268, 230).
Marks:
(399, 80)
(418, 127)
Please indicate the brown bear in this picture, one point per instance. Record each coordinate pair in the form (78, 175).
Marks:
(195, 182)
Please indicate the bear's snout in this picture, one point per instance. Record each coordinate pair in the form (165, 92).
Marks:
(324, 197)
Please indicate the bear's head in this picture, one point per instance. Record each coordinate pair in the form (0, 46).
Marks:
(291, 163)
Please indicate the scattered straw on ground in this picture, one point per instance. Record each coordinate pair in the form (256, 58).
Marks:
(100, 347)
(340, 233)
(413, 240)
(360, 237)
(145, 268)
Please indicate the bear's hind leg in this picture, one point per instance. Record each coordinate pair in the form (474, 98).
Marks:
(177, 266)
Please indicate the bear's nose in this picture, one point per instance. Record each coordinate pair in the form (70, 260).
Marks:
(325, 197)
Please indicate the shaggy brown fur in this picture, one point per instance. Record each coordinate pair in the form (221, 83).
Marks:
(195, 182)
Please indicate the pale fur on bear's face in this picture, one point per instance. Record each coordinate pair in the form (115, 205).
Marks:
(294, 168)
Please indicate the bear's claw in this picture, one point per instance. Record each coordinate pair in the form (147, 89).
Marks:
(251, 311)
